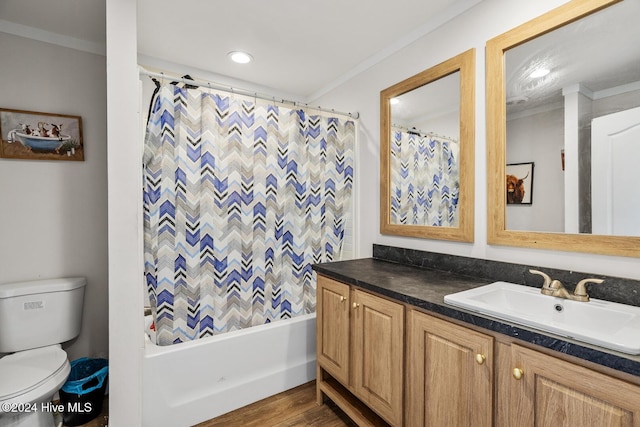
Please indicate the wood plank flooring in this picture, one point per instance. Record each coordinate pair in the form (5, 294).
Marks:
(295, 407)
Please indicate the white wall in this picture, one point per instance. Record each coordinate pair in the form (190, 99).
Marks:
(126, 324)
(470, 30)
(53, 214)
(538, 138)
(447, 124)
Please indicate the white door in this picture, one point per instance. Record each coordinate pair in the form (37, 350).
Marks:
(615, 173)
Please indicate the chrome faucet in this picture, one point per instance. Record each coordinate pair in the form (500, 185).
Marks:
(555, 289)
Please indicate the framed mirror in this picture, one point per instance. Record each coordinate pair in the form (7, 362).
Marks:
(563, 94)
(427, 152)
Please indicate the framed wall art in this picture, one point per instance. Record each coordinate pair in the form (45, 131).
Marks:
(520, 184)
(33, 135)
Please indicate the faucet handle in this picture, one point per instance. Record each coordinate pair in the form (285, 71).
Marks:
(547, 279)
(581, 289)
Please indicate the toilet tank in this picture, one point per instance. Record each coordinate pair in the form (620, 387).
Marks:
(40, 313)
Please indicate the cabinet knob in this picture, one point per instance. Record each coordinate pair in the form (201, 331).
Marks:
(480, 358)
(356, 305)
(342, 298)
(518, 373)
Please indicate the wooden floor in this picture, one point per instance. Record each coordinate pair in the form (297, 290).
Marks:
(295, 407)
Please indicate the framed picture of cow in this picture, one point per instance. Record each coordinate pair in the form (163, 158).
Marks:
(34, 135)
(520, 183)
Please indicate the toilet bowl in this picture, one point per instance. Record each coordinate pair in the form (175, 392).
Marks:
(29, 380)
(35, 318)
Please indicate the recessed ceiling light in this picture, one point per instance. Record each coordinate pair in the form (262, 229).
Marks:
(539, 72)
(240, 57)
(394, 101)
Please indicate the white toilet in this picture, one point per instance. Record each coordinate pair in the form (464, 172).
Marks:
(35, 319)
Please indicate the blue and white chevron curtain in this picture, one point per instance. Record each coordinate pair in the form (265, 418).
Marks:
(425, 179)
(240, 199)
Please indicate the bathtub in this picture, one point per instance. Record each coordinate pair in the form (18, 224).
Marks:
(187, 383)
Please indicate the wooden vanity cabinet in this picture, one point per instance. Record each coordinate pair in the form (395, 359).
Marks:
(449, 374)
(542, 390)
(450, 381)
(452, 372)
(360, 344)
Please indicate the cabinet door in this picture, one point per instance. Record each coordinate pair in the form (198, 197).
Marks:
(450, 374)
(377, 328)
(554, 392)
(332, 328)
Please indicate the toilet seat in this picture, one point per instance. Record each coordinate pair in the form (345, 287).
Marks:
(33, 374)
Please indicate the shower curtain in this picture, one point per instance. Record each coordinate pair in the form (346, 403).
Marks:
(240, 198)
(425, 179)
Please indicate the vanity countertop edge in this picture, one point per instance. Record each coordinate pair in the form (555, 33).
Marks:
(426, 288)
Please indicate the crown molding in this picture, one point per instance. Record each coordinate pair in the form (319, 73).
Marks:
(52, 38)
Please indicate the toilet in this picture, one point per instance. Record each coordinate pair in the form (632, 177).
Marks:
(35, 319)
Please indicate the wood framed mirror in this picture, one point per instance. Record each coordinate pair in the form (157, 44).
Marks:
(587, 72)
(427, 126)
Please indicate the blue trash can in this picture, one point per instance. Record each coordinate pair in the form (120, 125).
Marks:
(83, 393)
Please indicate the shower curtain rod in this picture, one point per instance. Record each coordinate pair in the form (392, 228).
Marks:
(407, 129)
(245, 92)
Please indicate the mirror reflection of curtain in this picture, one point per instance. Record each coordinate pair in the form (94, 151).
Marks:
(240, 200)
(425, 179)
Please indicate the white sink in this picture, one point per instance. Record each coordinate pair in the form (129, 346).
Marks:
(607, 324)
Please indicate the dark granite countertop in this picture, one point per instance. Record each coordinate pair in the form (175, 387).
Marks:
(426, 288)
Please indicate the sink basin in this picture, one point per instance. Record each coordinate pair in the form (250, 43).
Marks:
(603, 323)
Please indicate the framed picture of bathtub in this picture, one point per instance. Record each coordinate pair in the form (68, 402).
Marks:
(32, 135)
(520, 183)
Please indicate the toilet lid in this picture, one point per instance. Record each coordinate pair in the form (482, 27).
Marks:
(25, 370)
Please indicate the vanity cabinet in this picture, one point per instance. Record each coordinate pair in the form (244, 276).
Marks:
(542, 390)
(449, 374)
(360, 352)
(453, 374)
(450, 381)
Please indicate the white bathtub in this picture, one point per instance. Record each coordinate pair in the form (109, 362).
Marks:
(187, 383)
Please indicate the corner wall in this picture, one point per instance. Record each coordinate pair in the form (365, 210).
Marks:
(53, 214)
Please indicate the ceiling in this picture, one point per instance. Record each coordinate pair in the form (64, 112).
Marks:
(299, 47)
(305, 48)
(598, 52)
